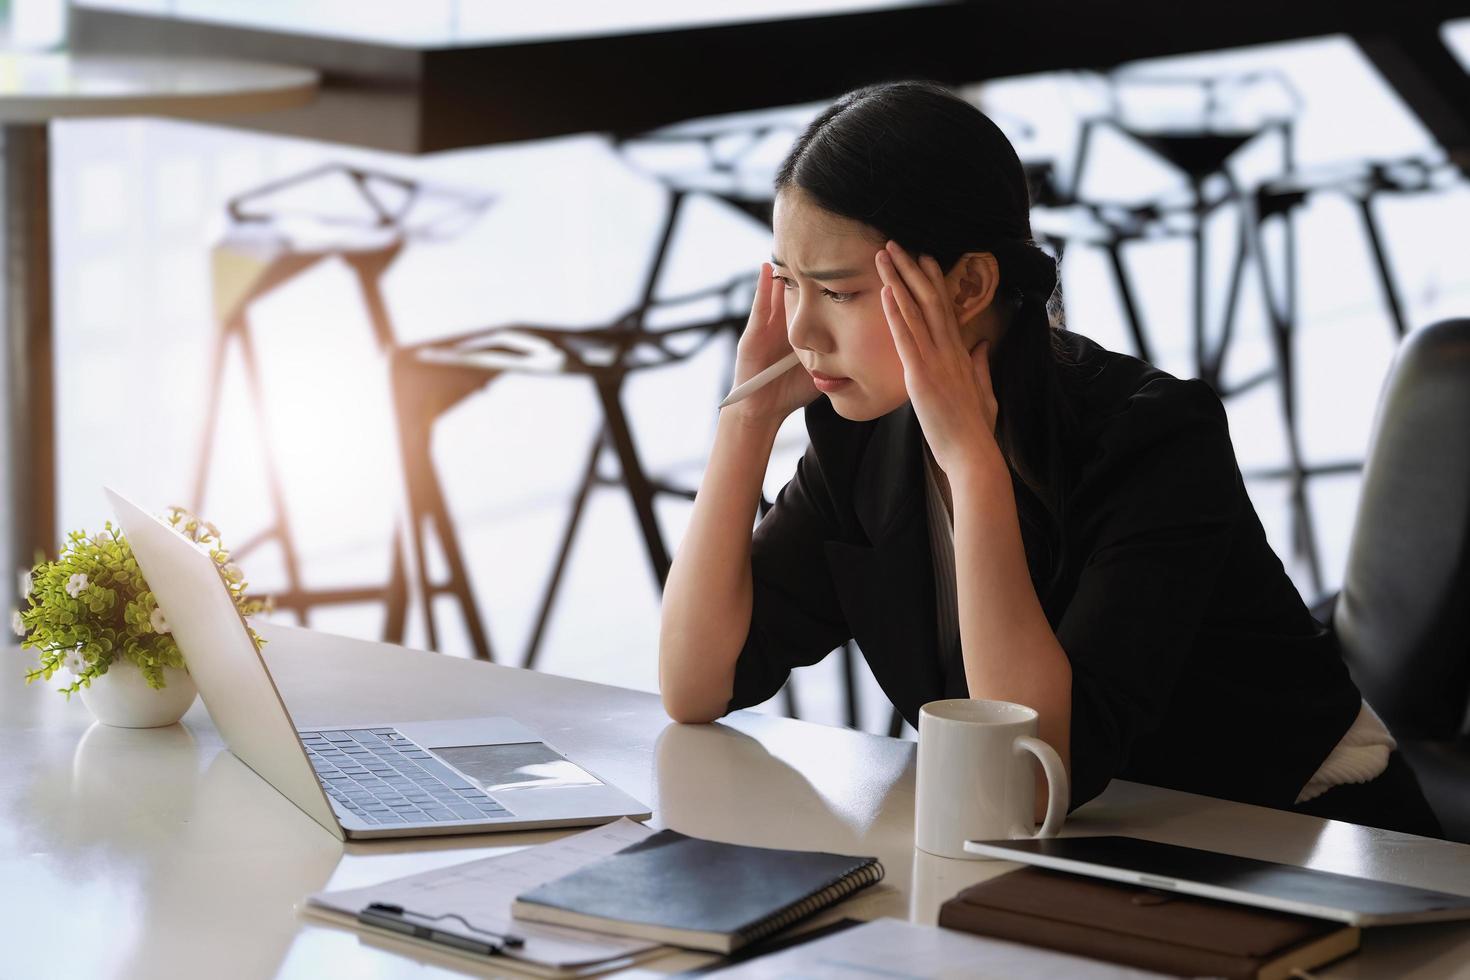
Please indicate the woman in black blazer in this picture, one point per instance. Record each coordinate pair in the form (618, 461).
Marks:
(994, 507)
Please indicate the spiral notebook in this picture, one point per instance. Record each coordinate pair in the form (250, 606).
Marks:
(698, 894)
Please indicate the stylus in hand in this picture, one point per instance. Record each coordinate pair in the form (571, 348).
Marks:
(743, 391)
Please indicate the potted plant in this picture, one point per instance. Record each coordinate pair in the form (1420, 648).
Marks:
(91, 614)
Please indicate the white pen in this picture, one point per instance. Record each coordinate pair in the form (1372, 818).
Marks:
(761, 380)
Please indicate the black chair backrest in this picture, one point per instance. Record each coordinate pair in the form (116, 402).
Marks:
(1404, 613)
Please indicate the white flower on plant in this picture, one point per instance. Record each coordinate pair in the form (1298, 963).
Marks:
(26, 582)
(76, 584)
(16, 623)
(157, 620)
(75, 662)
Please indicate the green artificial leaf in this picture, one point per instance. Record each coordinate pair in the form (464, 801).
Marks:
(110, 619)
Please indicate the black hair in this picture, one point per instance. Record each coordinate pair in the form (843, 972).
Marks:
(927, 169)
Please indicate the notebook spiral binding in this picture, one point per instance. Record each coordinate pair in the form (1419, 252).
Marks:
(850, 882)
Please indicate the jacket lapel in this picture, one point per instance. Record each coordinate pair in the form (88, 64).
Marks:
(887, 586)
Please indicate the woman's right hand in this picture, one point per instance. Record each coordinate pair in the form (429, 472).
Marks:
(762, 344)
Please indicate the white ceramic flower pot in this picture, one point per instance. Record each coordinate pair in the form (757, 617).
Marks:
(121, 697)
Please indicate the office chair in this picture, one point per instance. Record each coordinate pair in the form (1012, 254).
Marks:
(1403, 614)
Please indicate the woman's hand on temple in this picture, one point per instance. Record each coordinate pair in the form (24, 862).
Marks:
(948, 383)
(762, 344)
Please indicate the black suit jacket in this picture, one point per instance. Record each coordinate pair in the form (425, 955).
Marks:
(1195, 663)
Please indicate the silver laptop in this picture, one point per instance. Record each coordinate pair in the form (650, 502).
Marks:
(376, 779)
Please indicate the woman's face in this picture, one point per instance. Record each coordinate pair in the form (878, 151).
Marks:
(834, 316)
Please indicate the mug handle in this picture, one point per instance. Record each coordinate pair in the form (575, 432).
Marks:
(1058, 792)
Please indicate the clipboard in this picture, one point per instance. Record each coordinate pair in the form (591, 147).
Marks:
(418, 925)
(464, 909)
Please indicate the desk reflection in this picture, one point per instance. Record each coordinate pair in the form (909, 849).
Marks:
(95, 817)
(236, 829)
(706, 786)
(717, 782)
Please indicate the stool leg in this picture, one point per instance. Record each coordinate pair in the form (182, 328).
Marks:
(1130, 305)
(849, 683)
(1215, 360)
(788, 695)
(414, 535)
(1305, 524)
(895, 724)
(396, 595)
(416, 406)
(1380, 262)
(369, 270)
(211, 410)
(1200, 296)
(459, 576)
(640, 491)
(589, 478)
(1304, 538)
(294, 597)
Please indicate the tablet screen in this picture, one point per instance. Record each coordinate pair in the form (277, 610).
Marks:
(1324, 894)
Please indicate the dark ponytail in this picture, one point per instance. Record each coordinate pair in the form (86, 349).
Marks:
(925, 168)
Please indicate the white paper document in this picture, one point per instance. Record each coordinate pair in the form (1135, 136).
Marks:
(482, 892)
(892, 949)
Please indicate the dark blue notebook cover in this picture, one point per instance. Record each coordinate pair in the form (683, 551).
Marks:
(698, 893)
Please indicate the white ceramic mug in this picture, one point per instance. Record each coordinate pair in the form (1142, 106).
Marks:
(975, 782)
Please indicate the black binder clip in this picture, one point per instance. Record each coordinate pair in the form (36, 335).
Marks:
(400, 919)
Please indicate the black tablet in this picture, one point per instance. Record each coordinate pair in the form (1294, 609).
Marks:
(1245, 881)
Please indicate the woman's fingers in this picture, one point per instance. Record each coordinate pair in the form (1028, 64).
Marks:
(903, 300)
(930, 265)
(925, 294)
(776, 302)
(903, 338)
(935, 274)
(760, 306)
(768, 309)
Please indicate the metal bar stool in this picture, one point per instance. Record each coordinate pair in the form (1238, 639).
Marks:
(430, 378)
(730, 160)
(1199, 146)
(1361, 183)
(1200, 150)
(277, 232)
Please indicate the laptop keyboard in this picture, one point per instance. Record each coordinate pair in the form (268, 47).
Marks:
(381, 777)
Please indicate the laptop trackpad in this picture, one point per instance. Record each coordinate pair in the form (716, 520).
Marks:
(516, 766)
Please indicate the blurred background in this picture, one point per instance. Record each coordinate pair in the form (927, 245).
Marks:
(390, 342)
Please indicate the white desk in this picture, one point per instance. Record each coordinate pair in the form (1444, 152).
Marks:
(157, 854)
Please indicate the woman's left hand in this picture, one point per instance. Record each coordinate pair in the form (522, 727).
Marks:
(948, 383)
